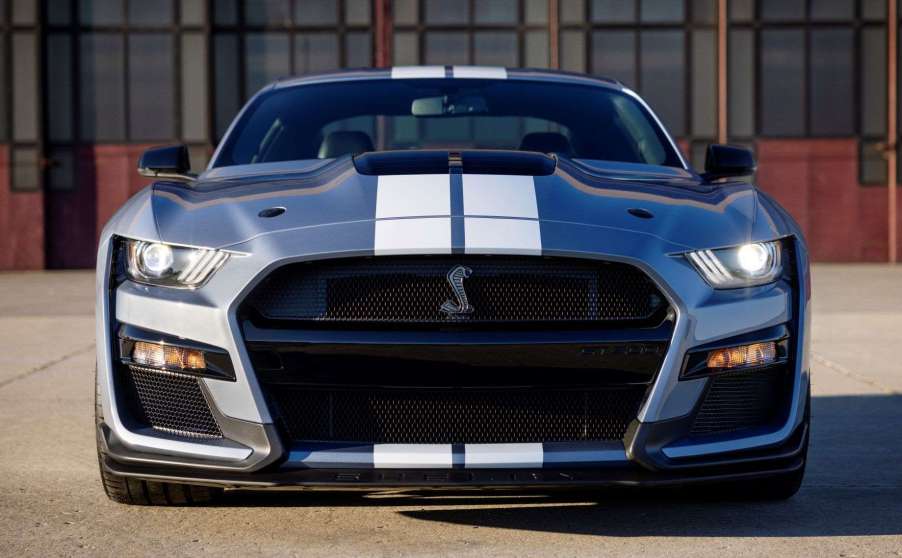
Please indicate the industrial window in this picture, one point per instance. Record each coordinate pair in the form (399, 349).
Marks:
(123, 71)
(258, 41)
(447, 32)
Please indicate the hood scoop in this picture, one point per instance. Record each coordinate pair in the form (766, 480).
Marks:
(476, 161)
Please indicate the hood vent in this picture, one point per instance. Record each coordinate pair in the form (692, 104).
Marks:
(477, 161)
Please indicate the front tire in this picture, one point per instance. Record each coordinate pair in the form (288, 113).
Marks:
(136, 492)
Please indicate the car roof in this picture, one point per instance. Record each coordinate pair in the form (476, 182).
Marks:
(439, 72)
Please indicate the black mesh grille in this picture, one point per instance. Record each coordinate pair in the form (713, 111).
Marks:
(172, 403)
(742, 400)
(412, 290)
(445, 416)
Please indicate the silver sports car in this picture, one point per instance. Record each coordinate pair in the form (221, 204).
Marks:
(450, 276)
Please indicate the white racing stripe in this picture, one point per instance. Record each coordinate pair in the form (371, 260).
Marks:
(502, 236)
(413, 195)
(500, 195)
(412, 456)
(479, 72)
(497, 456)
(430, 235)
(417, 72)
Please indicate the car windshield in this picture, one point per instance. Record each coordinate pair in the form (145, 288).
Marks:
(324, 121)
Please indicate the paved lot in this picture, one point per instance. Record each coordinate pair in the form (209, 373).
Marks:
(51, 502)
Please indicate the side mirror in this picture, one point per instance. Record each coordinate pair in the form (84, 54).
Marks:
(724, 161)
(170, 162)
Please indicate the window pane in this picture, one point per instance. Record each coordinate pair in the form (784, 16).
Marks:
(406, 12)
(25, 87)
(24, 12)
(315, 52)
(536, 49)
(704, 11)
(741, 83)
(26, 173)
(59, 12)
(496, 11)
(614, 55)
(225, 12)
(359, 49)
(872, 164)
(102, 87)
(786, 10)
(228, 88)
(661, 11)
(357, 12)
(447, 48)
(150, 12)
(704, 83)
(832, 99)
(536, 11)
(101, 12)
(572, 11)
(151, 86)
(782, 82)
(873, 81)
(662, 76)
(316, 12)
(613, 11)
(495, 48)
(742, 10)
(573, 51)
(405, 51)
(873, 10)
(267, 12)
(832, 10)
(193, 12)
(446, 11)
(59, 87)
(267, 57)
(194, 87)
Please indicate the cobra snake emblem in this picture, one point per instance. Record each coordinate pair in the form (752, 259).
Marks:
(456, 279)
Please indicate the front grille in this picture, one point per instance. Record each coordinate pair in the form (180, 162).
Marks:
(511, 290)
(740, 400)
(171, 402)
(448, 416)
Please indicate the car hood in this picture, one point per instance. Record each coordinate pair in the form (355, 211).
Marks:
(223, 208)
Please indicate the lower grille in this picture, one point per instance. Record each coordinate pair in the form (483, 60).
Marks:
(172, 403)
(740, 400)
(453, 415)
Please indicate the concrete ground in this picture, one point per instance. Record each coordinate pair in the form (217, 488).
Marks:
(51, 502)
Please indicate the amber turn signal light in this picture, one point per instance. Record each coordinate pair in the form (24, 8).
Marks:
(167, 356)
(756, 354)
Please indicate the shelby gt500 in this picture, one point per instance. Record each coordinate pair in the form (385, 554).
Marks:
(450, 276)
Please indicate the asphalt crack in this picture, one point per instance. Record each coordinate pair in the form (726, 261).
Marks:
(851, 374)
(46, 365)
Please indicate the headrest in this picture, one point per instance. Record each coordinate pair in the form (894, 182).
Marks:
(343, 142)
(546, 142)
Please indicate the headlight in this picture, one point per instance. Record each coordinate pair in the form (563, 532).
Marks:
(747, 265)
(171, 266)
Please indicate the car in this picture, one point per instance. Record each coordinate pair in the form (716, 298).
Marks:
(461, 276)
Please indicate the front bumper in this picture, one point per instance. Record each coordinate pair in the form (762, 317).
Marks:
(253, 452)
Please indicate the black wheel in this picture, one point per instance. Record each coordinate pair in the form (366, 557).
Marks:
(127, 490)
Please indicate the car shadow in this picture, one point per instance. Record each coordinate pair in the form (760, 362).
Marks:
(853, 487)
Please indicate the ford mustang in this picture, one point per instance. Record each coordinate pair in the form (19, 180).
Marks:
(450, 277)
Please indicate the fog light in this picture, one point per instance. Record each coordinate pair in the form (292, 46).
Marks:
(756, 354)
(167, 356)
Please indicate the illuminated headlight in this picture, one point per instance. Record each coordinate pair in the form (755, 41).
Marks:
(747, 265)
(171, 266)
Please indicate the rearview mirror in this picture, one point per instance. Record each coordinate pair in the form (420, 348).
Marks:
(449, 105)
(170, 162)
(724, 161)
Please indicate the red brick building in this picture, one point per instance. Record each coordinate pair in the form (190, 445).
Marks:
(86, 85)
